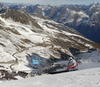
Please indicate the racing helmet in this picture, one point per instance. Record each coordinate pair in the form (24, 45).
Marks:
(70, 58)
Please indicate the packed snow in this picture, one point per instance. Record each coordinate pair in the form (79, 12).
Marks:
(80, 78)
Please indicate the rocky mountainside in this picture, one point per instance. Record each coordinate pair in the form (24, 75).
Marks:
(22, 34)
(83, 18)
(2, 8)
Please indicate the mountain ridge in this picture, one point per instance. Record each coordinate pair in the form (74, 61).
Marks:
(83, 18)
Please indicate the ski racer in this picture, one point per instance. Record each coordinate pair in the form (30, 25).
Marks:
(72, 64)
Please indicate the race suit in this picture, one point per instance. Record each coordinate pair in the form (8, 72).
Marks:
(72, 64)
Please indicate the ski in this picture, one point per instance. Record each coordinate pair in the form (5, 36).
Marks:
(56, 72)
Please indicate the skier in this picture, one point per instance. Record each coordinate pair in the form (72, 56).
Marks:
(72, 64)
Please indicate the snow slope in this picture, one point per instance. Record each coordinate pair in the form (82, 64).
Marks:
(82, 78)
(89, 60)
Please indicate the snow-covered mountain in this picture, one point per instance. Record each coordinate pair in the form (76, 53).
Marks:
(84, 18)
(22, 34)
